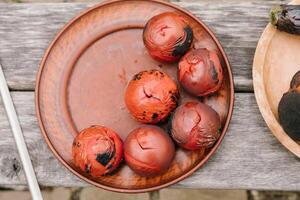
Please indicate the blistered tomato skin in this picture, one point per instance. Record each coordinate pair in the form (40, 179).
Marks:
(195, 125)
(200, 72)
(148, 151)
(151, 96)
(167, 37)
(97, 150)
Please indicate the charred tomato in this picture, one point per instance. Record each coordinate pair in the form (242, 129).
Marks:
(167, 37)
(200, 72)
(148, 151)
(97, 150)
(195, 125)
(151, 96)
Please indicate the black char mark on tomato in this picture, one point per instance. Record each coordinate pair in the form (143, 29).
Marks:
(183, 46)
(105, 157)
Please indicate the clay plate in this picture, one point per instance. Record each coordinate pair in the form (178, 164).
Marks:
(275, 63)
(83, 76)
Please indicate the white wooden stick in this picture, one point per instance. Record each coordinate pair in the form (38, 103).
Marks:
(19, 138)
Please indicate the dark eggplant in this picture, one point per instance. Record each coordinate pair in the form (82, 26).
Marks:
(289, 109)
(286, 18)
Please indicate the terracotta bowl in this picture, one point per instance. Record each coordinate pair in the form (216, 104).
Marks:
(83, 76)
(275, 63)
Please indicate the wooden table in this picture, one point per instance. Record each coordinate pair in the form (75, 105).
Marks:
(249, 158)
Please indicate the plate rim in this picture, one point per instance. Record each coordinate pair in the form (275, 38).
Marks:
(260, 91)
(153, 188)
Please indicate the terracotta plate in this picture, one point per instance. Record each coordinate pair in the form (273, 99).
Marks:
(275, 63)
(83, 76)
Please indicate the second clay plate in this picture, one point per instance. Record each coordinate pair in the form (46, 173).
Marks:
(275, 63)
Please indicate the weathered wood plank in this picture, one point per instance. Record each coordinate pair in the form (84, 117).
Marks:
(250, 157)
(27, 29)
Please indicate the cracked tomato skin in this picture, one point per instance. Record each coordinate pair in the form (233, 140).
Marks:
(97, 150)
(195, 125)
(148, 151)
(151, 96)
(200, 72)
(167, 37)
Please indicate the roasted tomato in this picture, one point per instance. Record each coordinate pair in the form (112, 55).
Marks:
(148, 151)
(289, 109)
(200, 72)
(167, 37)
(97, 150)
(195, 125)
(151, 96)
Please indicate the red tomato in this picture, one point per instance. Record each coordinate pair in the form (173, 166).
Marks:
(195, 125)
(97, 150)
(151, 96)
(200, 72)
(167, 37)
(148, 151)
